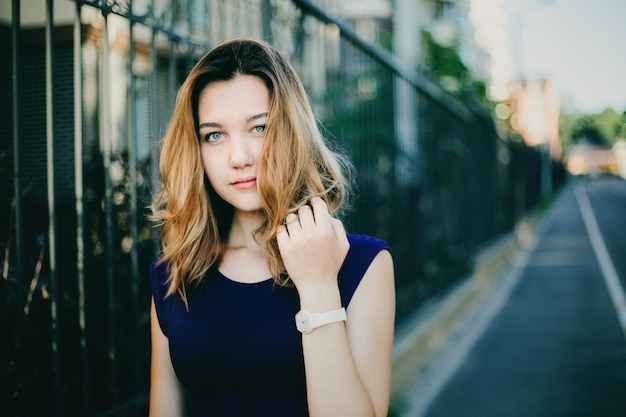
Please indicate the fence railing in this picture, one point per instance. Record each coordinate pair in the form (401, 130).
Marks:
(434, 178)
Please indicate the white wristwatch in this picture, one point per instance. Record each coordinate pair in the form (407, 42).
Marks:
(307, 321)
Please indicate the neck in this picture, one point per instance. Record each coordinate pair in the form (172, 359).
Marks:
(242, 230)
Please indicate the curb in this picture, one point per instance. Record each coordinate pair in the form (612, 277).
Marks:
(419, 337)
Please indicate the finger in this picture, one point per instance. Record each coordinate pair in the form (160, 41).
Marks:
(290, 219)
(320, 211)
(305, 216)
(293, 225)
(339, 231)
(282, 237)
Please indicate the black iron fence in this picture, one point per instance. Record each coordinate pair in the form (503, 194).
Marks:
(78, 160)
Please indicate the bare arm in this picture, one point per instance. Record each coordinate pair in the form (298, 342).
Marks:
(347, 366)
(166, 394)
(370, 327)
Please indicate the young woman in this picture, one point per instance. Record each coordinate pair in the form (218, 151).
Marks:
(262, 304)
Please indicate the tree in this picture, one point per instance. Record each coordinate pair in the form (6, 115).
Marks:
(608, 123)
(620, 128)
(587, 131)
(567, 122)
(604, 128)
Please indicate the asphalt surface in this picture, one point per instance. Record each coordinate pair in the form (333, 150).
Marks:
(548, 339)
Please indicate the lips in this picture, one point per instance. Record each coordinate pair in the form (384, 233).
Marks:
(244, 183)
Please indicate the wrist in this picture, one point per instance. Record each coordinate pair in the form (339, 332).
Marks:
(319, 298)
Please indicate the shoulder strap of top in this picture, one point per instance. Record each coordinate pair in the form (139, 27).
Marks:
(363, 250)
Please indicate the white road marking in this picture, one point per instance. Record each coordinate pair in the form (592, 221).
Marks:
(611, 278)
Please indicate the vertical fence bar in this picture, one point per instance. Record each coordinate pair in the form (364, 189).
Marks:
(132, 168)
(171, 91)
(80, 214)
(52, 241)
(154, 117)
(106, 141)
(17, 149)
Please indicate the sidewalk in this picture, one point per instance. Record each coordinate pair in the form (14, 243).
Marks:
(424, 356)
(533, 330)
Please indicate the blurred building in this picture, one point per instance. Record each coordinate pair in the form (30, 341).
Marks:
(619, 149)
(534, 109)
(584, 159)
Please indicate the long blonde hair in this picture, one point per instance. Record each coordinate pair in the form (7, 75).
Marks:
(296, 164)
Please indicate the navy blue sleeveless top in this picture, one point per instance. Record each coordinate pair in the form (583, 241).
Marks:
(237, 351)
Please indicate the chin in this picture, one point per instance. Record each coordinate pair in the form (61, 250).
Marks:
(248, 207)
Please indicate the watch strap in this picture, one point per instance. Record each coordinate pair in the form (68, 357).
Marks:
(330, 317)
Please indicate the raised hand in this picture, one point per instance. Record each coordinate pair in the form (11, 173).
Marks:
(313, 246)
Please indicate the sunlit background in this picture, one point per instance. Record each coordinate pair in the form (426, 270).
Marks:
(577, 44)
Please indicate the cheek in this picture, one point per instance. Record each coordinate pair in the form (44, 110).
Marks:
(257, 149)
(210, 165)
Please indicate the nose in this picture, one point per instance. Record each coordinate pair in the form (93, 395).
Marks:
(241, 154)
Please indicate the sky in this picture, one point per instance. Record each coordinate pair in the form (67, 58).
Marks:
(580, 45)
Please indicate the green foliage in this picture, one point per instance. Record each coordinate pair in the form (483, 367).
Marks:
(445, 67)
(620, 129)
(604, 128)
(443, 61)
(566, 126)
(608, 122)
(362, 120)
(587, 131)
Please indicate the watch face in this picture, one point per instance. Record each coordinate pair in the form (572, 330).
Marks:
(304, 321)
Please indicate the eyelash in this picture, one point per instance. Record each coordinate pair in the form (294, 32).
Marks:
(208, 136)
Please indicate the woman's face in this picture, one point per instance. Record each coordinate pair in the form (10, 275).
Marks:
(232, 116)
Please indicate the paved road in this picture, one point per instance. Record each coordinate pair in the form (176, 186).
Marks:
(553, 345)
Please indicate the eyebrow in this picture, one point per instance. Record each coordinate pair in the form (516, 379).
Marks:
(248, 120)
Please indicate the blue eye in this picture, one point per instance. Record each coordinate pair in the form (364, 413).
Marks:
(213, 136)
(259, 129)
